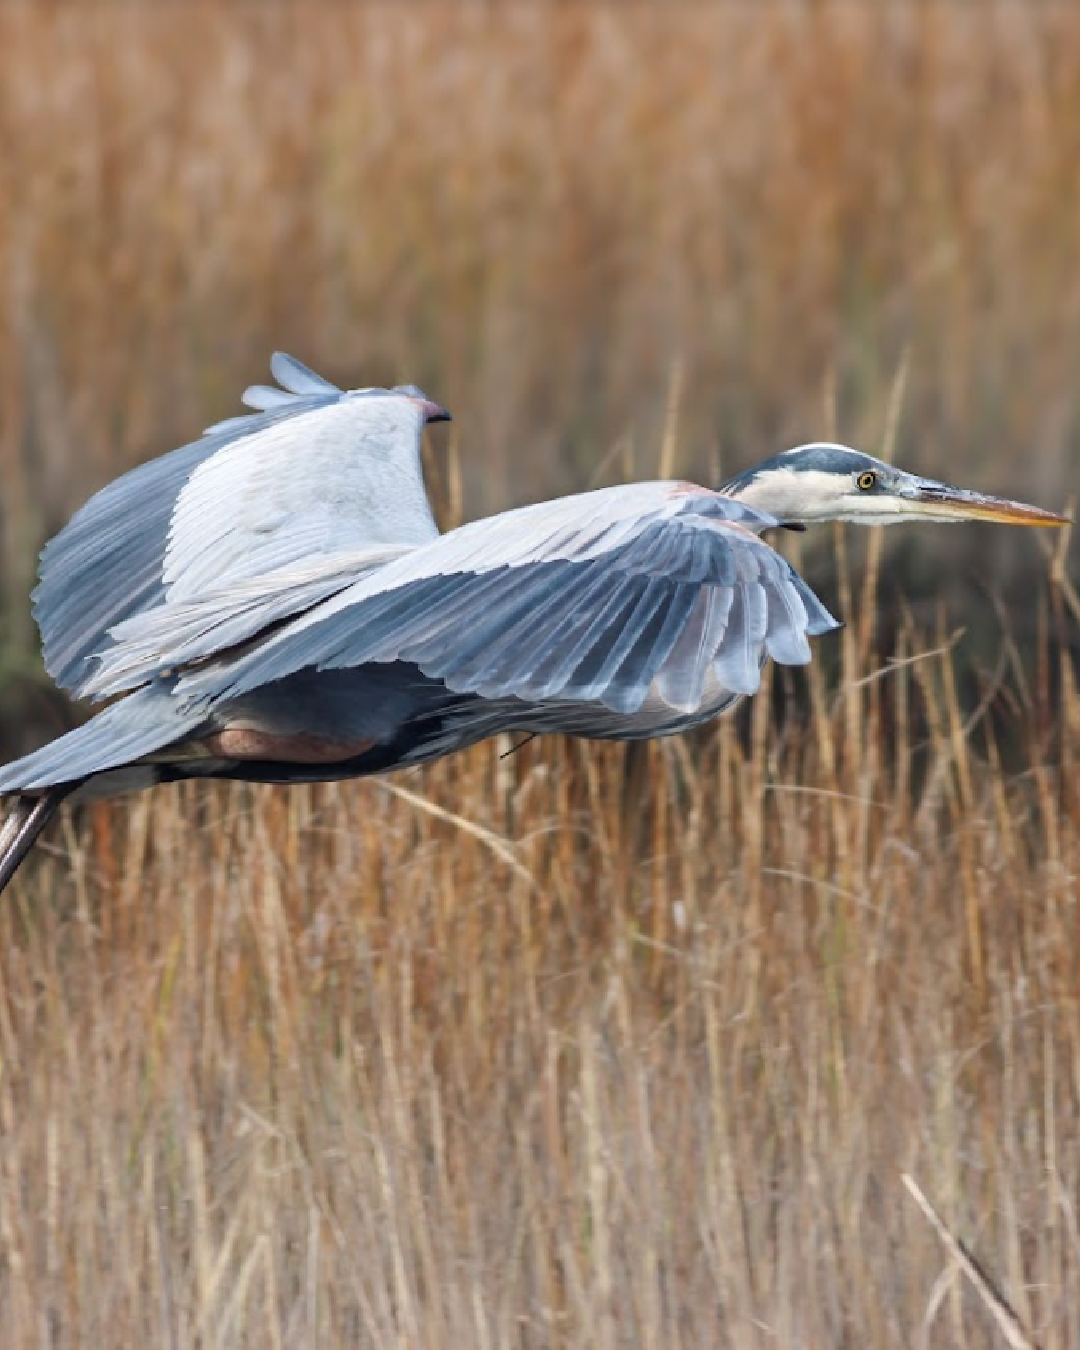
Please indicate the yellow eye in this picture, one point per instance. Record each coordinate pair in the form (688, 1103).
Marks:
(866, 480)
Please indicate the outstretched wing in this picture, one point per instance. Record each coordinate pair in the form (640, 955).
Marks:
(588, 598)
(315, 470)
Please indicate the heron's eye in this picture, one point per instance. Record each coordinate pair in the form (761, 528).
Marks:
(866, 480)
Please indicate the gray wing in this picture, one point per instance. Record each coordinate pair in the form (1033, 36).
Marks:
(314, 470)
(176, 634)
(589, 598)
(147, 721)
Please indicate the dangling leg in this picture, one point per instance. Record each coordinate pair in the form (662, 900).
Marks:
(25, 820)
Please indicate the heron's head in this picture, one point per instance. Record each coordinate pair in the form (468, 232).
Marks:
(832, 482)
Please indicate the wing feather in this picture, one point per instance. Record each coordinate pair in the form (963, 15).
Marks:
(592, 598)
(681, 680)
(315, 471)
(788, 621)
(631, 683)
(540, 628)
(631, 630)
(156, 641)
(581, 670)
(297, 378)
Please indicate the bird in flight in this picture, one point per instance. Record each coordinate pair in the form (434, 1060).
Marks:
(274, 602)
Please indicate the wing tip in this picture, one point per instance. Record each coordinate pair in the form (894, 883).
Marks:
(826, 624)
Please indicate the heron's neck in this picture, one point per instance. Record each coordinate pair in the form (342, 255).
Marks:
(807, 497)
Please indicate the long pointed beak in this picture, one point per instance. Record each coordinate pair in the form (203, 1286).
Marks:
(938, 501)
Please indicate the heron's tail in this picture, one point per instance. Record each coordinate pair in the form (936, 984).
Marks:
(22, 825)
(103, 754)
(122, 734)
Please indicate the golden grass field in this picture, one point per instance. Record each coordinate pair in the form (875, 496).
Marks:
(580, 1046)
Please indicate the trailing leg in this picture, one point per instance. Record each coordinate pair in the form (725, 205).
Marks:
(26, 819)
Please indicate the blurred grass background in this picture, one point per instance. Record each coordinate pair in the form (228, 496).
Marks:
(578, 1047)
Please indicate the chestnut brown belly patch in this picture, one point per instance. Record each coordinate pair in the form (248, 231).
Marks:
(249, 743)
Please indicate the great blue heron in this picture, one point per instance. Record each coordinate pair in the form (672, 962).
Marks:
(274, 601)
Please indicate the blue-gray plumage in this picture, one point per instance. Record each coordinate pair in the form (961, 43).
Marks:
(275, 603)
(143, 540)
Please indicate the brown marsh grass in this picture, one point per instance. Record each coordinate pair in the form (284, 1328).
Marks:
(578, 1046)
